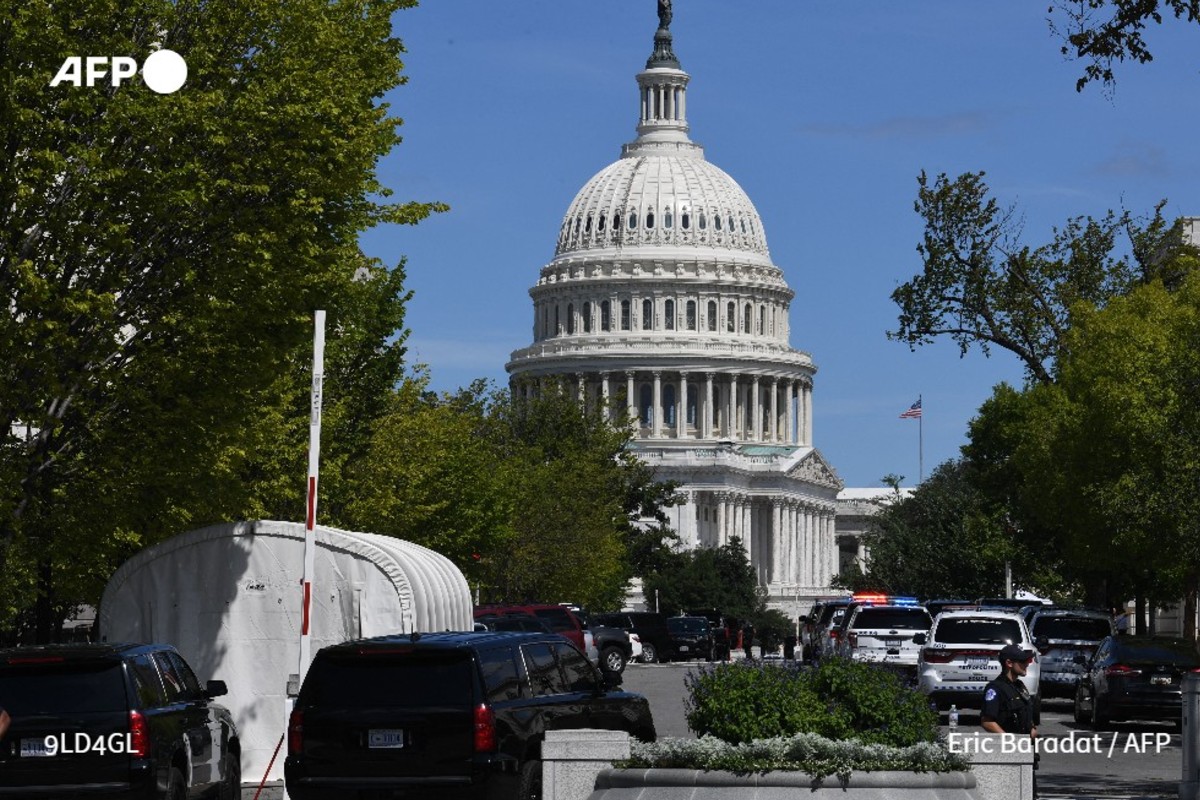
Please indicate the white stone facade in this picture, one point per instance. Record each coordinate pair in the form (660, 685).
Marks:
(662, 304)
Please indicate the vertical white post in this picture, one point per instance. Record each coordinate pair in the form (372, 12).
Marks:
(310, 520)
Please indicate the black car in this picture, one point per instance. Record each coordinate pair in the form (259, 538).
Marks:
(692, 638)
(612, 643)
(451, 715)
(719, 626)
(1134, 678)
(117, 720)
(651, 629)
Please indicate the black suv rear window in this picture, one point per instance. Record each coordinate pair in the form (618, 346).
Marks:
(688, 625)
(1091, 629)
(1180, 654)
(372, 679)
(908, 619)
(54, 689)
(978, 630)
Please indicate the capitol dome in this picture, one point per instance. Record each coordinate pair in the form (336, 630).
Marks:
(645, 199)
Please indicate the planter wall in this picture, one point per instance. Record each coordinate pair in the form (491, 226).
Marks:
(687, 784)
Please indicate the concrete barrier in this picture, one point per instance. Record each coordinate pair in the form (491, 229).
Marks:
(572, 759)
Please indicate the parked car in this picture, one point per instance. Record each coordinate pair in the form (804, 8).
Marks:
(650, 627)
(935, 607)
(1134, 677)
(614, 644)
(827, 618)
(691, 637)
(719, 627)
(459, 715)
(958, 656)
(883, 633)
(559, 619)
(1062, 635)
(514, 623)
(118, 720)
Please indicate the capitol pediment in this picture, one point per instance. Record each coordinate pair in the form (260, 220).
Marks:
(813, 468)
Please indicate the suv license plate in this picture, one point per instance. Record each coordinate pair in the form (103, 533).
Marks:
(683, 648)
(974, 664)
(385, 739)
(34, 748)
(1160, 680)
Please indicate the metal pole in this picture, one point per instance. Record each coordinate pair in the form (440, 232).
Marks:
(1189, 787)
(310, 520)
(921, 442)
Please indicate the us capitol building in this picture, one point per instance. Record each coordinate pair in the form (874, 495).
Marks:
(662, 298)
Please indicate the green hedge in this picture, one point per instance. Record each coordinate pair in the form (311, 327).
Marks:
(841, 699)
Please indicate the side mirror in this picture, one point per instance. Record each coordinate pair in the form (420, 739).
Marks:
(1042, 642)
(216, 689)
(920, 638)
(612, 680)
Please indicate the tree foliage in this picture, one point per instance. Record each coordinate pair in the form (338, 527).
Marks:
(160, 258)
(981, 286)
(1102, 33)
(707, 577)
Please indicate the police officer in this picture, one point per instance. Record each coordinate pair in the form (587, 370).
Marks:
(1007, 706)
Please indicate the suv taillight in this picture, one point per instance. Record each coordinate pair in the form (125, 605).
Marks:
(485, 729)
(139, 735)
(852, 639)
(296, 733)
(1121, 670)
(936, 655)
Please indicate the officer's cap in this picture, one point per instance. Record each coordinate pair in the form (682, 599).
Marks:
(1012, 652)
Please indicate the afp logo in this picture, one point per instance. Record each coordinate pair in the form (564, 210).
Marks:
(164, 71)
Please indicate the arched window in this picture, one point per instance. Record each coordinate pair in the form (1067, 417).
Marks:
(605, 316)
(557, 326)
(601, 227)
(748, 319)
(730, 221)
(717, 222)
(587, 228)
(712, 315)
(691, 315)
(730, 318)
(685, 221)
(669, 315)
(649, 219)
(703, 221)
(624, 315)
(669, 403)
(762, 320)
(646, 404)
(570, 317)
(587, 317)
(743, 225)
(693, 402)
(632, 220)
(668, 219)
(647, 315)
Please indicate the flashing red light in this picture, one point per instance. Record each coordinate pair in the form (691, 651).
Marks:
(870, 598)
(485, 729)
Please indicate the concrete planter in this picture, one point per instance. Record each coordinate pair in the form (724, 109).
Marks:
(677, 784)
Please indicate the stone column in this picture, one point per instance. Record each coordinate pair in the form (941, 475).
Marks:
(630, 400)
(681, 405)
(774, 410)
(789, 427)
(835, 553)
(707, 431)
(810, 548)
(656, 413)
(604, 396)
(733, 404)
(747, 520)
(722, 520)
(808, 415)
(777, 555)
(581, 389)
(755, 412)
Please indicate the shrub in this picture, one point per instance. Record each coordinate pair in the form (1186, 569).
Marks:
(805, 752)
(842, 699)
(741, 701)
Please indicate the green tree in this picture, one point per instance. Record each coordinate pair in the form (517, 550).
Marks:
(1104, 32)
(161, 255)
(708, 577)
(981, 286)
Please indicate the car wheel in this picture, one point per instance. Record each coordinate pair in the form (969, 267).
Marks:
(231, 786)
(649, 653)
(176, 788)
(530, 787)
(1099, 721)
(1079, 717)
(612, 660)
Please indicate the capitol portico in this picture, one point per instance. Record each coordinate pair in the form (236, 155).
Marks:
(662, 302)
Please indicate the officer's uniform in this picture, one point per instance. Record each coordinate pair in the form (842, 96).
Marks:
(1008, 704)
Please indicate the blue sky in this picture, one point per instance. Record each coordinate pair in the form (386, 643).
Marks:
(825, 113)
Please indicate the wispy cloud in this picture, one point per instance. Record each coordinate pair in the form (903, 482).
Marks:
(1134, 158)
(908, 127)
(483, 357)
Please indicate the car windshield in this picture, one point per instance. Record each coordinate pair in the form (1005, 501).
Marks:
(45, 689)
(909, 619)
(1182, 654)
(978, 630)
(688, 625)
(391, 678)
(1091, 629)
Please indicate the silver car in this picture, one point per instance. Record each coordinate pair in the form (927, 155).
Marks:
(883, 634)
(1061, 635)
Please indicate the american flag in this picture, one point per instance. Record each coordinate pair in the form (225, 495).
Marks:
(914, 411)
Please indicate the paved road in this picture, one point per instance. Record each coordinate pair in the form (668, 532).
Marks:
(1134, 760)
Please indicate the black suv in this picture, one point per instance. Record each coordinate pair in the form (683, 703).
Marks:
(453, 715)
(118, 720)
(650, 628)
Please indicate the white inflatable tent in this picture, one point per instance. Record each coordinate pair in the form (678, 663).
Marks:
(228, 597)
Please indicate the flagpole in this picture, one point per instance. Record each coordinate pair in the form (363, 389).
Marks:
(921, 443)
